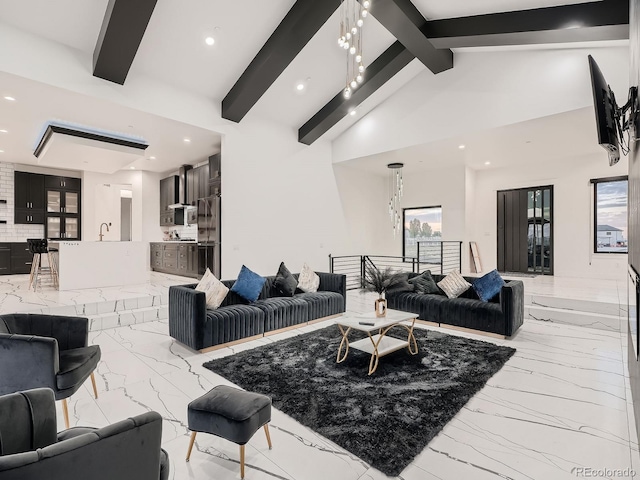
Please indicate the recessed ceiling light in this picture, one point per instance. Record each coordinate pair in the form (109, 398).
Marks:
(152, 158)
(352, 112)
(132, 168)
(487, 163)
(187, 140)
(462, 147)
(11, 99)
(1, 151)
(209, 41)
(300, 87)
(3, 131)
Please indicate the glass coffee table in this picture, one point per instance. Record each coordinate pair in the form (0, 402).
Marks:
(377, 343)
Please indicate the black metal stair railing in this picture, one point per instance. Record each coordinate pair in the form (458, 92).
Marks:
(439, 257)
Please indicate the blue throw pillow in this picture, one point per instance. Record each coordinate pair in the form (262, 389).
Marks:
(248, 285)
(488, 286)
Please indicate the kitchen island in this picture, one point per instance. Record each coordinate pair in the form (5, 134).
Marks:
(84, 264)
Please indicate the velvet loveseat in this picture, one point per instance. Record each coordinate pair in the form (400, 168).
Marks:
(192, 324)
(501, 315)
(30, 448)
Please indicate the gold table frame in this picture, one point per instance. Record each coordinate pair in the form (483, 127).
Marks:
(373, 343)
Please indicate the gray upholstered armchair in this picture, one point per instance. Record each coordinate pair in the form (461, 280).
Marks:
(32, 450)
(46, 351)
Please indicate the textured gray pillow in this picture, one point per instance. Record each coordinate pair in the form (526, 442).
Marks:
(454, 284)
(424, 283)
(285, 282)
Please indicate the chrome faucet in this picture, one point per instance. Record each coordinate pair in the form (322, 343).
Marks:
(102, 234)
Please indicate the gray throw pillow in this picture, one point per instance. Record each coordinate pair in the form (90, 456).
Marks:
(285, 282)
(424, 283)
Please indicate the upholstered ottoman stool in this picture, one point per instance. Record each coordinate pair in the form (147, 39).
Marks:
(230, 413)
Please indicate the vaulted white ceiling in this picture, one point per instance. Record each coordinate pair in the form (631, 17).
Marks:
(173, 52)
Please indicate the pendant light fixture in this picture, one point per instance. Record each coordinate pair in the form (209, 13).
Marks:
(396, 190)
(352, 15)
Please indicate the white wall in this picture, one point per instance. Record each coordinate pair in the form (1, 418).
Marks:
(365, 210)
(484, 90)
(280, 201)
(573, 212)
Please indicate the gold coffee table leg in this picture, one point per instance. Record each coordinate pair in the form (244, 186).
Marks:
(344, 343)
(412, 339)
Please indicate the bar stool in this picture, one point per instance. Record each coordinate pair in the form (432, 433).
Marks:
(39, 247)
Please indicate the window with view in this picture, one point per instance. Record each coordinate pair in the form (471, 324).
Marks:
(421, 224)
(610, 215)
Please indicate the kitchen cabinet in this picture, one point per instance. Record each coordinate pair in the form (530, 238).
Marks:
(169, 191)
(175, 258)
(29, 198)
(62, 208)
(21, 258)
(67, 183)
(5, 258)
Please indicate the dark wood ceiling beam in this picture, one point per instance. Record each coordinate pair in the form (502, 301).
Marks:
(302, 22)
(603, 20)
(383, 68)
(405, 22)
(123, 27)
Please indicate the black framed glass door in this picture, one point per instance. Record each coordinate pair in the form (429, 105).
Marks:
(525, 230)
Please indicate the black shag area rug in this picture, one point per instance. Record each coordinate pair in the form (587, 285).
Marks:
(385, 419)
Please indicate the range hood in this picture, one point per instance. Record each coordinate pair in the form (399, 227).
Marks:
(182, 189)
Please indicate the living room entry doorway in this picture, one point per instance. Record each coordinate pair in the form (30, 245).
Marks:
(525, 230)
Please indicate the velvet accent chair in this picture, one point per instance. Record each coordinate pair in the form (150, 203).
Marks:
(51, 351)
(30, 448)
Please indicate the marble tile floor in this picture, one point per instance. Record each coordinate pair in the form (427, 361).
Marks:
(562, 401)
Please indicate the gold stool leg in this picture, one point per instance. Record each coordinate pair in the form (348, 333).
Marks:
(93, 382)
(65, 411)
(266, 431)
(193, 439)
(33, 271)
(241, 461)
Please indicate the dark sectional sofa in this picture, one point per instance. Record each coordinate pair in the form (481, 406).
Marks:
(502, 315)
(192, 324)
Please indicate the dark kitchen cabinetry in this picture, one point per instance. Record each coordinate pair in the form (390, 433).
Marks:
(169, 192)
(15, 258)
(21, 258)
(5, 258)
(62, 208)
(29, 198)
(197, 184)
(67, 183)
(175, 258)
(48, 200)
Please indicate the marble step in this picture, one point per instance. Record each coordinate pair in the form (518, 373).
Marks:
(123, 318)
(595, 320)
(579, 305)
(92, 309)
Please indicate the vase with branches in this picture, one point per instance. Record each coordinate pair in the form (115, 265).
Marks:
(382, 282)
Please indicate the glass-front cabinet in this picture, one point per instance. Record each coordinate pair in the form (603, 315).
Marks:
(63, 214)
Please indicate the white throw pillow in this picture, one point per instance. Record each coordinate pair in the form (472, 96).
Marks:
(308, 280)
(213, 288)
(454, 284)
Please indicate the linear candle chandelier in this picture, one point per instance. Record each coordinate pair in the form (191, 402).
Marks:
(352, 15)
(396, 190)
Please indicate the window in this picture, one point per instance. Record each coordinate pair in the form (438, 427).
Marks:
(610, 215)
(420, 224)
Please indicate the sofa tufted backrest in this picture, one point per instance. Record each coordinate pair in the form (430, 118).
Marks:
(27, 421)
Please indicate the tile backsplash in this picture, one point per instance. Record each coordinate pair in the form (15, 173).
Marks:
(185, 231)
(11, 232)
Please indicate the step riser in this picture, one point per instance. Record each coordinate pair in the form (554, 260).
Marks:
(130, 317)
(609, 323)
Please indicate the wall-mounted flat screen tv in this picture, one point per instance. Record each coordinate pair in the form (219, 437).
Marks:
(605, 106)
